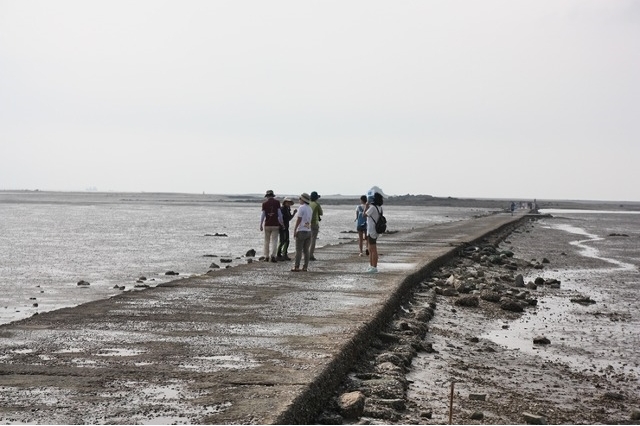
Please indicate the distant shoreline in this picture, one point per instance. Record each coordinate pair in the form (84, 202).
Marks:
(30, 196)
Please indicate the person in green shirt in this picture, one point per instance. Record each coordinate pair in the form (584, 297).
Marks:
(316, 208)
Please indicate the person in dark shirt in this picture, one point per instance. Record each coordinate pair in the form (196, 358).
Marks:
(270, 223)
(283, 246)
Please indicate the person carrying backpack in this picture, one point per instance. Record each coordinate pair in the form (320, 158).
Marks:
(376, 225)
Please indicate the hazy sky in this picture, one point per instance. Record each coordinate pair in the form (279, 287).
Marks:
(509, 99)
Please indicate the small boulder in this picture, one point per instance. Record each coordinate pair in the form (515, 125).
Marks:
(519, 281)
(351, 404)
(251, 253)
(83, 283)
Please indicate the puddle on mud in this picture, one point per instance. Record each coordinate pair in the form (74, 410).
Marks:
(69, 351)
(222, 362)
(22, 351)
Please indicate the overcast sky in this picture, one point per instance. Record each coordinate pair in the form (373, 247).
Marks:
(496, 99)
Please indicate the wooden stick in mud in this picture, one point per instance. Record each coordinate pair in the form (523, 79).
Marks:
(451, 405)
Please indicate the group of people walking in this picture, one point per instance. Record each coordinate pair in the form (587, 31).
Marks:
(276, 217)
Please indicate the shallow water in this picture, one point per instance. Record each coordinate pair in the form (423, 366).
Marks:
(50, 241)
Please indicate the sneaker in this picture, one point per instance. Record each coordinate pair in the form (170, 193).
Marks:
(361, 254)
(287, 258)
(280, 258)
(312, 258)
(367, 252)
(273, 259)
(372, 270)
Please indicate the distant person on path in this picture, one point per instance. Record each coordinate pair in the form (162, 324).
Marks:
(513, 207)
(373, 214)
(361, 224)
(283, 246)
(302, 233)
(270, 223)
(316, 208)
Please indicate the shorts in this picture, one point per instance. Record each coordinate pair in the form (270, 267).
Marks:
(371, 239)
(362, 228)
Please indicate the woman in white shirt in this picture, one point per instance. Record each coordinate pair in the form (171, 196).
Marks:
(302, 233)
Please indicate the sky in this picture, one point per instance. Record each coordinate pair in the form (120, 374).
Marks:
(473, 99)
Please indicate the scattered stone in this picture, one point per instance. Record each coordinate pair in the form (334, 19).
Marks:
(478, 396)
(635, 414)
(226, 260)
(583, 300)
(214, 266)
(83, 283)
(512, 306)
(519, 280)
(171, 273)
(477, 415)
(539, 281)
(614, 234)
(216, 235)
(468, 301)
(545, 260)
(427, 414)
(533, 419)
(491, 297)
(531, 285)
(616, 396)
(541, 340)
(251, 253)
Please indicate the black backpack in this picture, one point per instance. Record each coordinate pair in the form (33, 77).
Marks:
(381, 223)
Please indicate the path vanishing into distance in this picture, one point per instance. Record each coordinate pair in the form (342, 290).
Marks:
(255, 343)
